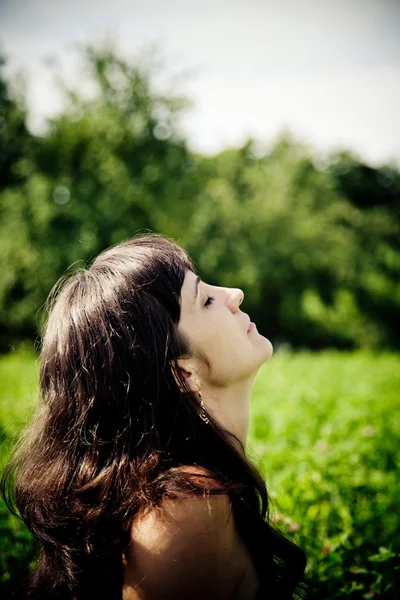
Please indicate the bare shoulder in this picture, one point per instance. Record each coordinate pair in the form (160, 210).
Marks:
(188, 549)
(177, 523)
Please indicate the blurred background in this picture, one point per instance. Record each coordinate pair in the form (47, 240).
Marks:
(264, 137)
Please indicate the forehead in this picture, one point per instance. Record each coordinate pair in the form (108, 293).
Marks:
(188, 291)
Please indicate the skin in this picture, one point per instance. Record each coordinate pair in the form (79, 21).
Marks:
(219, 330)
(192, 549)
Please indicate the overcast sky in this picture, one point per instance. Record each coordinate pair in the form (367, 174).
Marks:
(329, 70)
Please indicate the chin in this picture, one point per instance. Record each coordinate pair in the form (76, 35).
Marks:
(268, 349)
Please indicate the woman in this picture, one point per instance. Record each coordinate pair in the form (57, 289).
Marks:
(133, 476)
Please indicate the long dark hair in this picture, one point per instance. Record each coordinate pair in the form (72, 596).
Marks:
(114, 430)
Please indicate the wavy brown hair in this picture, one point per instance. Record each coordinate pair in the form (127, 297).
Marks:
(114, 429)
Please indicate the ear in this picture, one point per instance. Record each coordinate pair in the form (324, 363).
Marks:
(186, 369)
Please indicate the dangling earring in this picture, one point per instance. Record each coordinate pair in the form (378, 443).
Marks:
(202, 413)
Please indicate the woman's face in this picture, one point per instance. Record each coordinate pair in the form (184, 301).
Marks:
(217, 328)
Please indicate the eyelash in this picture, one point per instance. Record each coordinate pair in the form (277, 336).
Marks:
(209, 301)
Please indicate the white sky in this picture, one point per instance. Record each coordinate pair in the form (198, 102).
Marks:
(329, 70)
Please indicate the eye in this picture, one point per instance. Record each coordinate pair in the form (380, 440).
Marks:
(208, 301)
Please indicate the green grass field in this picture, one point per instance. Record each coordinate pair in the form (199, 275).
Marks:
(325, 431)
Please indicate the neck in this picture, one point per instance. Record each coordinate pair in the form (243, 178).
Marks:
(230, 406)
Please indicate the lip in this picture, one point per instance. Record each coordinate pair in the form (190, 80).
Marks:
(250, 324)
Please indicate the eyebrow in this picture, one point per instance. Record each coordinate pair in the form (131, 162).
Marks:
(196, 289)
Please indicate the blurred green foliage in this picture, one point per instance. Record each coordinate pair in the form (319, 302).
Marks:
(325, 431)
(18, 376)
(314, 244)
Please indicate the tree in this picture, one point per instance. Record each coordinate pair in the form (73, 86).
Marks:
(108, 167)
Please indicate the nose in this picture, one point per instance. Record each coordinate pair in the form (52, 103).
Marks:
(235, 299)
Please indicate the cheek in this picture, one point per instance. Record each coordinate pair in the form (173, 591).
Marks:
(221, 338)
